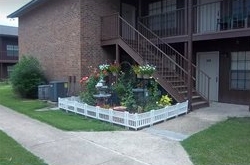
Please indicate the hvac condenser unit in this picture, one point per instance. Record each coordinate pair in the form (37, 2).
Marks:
(43, 92)
(57, 89)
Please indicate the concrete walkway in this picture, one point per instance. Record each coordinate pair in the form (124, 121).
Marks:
(157, 145)
(183, 126)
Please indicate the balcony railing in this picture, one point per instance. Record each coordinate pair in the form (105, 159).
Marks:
(8, 56)
(167, 24)
(207, 17)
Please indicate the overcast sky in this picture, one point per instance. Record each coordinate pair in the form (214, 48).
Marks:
(7, 7)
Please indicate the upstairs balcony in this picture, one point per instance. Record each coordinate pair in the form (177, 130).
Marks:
(210, 20)
(8, 57)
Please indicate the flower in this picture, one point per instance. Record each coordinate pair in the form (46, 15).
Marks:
(84, 79)
(104, 67)
(147, 69)
(115, 67)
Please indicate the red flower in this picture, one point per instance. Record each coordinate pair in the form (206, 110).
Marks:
(83, 79)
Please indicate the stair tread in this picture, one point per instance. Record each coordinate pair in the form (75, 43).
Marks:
(199, 103)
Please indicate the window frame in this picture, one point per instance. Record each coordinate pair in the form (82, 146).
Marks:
(240, 70)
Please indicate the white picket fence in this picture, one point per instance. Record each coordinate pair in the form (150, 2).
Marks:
(126, 119)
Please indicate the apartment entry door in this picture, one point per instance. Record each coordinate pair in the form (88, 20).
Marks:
(208, 62)
(208, 14)
(129, 14)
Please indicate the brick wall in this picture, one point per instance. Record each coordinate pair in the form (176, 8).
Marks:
(52, 34)
(65, 36)
(92, 11)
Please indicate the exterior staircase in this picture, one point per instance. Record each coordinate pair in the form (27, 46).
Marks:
(171, 66)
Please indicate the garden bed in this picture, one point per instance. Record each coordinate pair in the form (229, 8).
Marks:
(129, 120)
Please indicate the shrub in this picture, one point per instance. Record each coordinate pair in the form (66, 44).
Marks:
(88, 95)
(26, 77)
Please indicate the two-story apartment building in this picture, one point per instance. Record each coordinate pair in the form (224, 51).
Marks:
(201, 47)
(8, 50)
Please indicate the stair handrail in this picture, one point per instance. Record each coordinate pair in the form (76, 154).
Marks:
(178, 53)
(141, 35)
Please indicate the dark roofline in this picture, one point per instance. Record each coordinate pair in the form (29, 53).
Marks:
(26, 8)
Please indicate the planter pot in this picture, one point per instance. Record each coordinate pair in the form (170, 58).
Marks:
(146, 76)
(139, 76)
(120, 108)
(114, 73)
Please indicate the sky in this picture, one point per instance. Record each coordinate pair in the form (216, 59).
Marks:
(7, 7)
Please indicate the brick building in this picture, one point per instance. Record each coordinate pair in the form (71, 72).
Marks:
(200, 47)
(8, 50)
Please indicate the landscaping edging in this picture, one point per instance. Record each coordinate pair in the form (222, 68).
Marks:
(126, 119)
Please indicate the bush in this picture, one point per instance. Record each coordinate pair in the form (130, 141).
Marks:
(88, 95)
(26, 77)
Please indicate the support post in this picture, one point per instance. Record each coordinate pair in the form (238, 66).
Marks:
(1, 71)
(190, 52)
(117, 53)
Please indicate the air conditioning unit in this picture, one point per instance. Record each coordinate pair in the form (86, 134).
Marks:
(57, 89)
(43, 92)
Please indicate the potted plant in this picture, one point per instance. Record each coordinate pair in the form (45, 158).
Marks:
(137, 71)
(104, 70)
(147, 70)
(114, 68)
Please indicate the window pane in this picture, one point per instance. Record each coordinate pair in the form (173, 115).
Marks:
(248, 55)
(234, 56)
(247, 65)
(242, 56)
(241, 65)
(234, 66)
(241, 75)
(234, 75)
(234, 84)
(241, 84)
(248, 84)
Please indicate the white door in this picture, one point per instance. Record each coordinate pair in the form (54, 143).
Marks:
(208, 62)
(208, 14)
(129, 14)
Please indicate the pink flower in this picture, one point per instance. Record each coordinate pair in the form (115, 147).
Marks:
(83, 79)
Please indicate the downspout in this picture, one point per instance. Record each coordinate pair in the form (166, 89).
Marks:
(190, 52)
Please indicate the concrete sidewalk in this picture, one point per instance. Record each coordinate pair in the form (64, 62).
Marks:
(183, 126)
(57, 147)
(157, 145)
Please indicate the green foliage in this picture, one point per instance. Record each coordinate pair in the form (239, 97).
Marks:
(13, 153)
(165, 101)
(26, 77)
(54, 118)
(226, 143)
(128, 99)
(154, 95)
(119, 87)
(87, 95)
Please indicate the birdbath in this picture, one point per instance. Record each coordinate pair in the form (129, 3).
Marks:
(102, 95)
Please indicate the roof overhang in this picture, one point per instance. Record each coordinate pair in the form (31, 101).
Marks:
(8, 31)
(26, 8)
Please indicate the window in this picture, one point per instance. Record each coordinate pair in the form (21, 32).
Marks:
(163, 14)
(240, 70)
(12, 50)
(240, 9)
(9, 70)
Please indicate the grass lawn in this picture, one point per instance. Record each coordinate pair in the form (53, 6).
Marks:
(59, 119)
(13, 153)
(226, 143)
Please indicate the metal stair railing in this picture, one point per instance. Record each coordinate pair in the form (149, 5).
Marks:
(201, 80)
